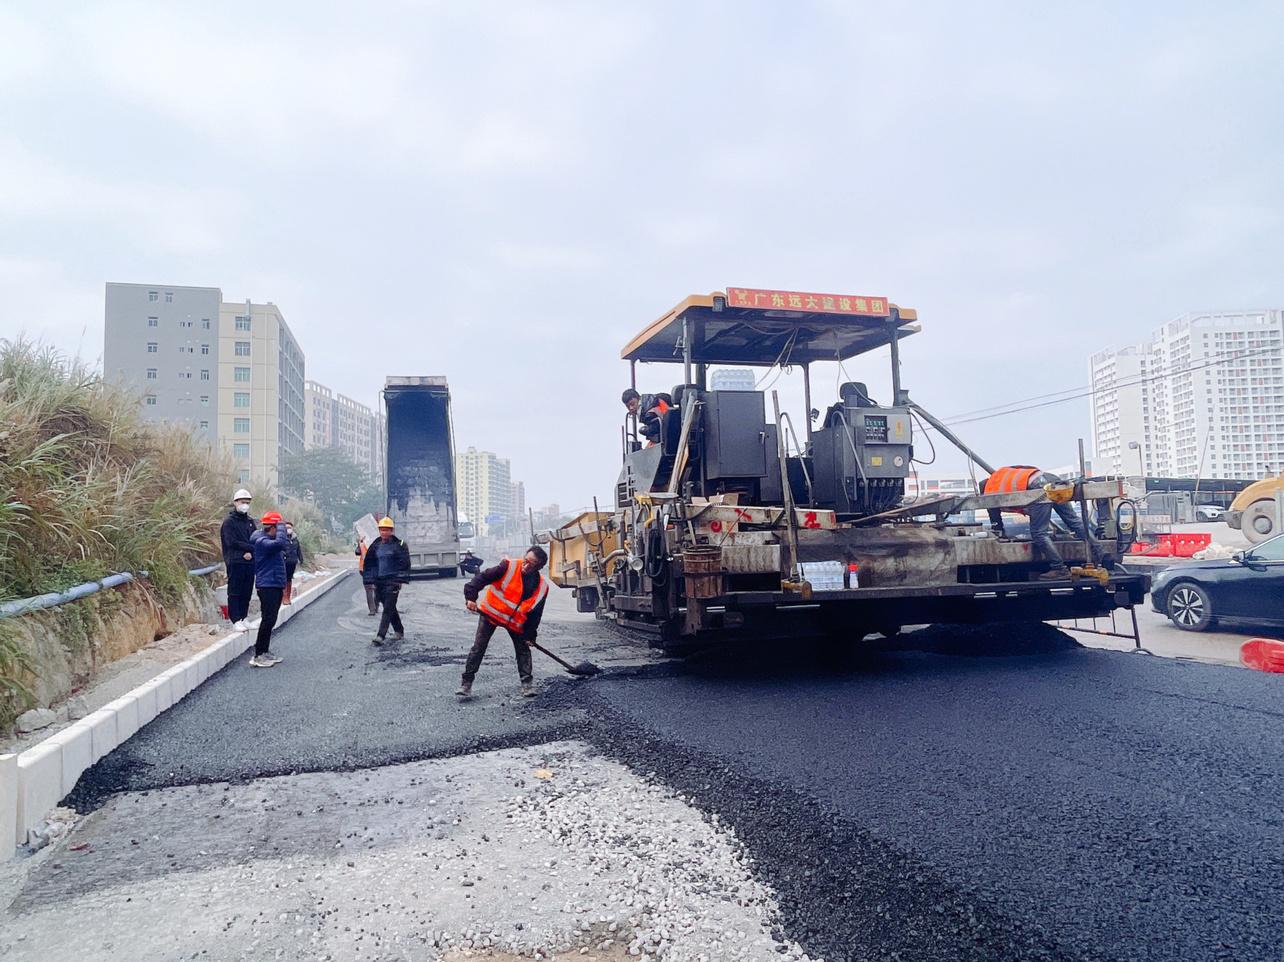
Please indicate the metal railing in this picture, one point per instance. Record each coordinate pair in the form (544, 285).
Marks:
(21, 606)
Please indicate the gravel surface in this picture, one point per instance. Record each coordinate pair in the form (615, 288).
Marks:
(993, 794)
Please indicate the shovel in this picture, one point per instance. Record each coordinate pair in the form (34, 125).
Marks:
(584, 668)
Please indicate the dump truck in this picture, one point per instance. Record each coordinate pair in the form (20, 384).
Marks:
(421, 473)
(731, 523)
(1255, 510)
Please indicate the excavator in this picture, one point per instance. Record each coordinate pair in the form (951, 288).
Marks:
(734, 524)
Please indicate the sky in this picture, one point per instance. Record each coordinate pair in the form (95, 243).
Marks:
(506, 193)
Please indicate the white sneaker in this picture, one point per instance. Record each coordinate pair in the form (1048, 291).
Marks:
(271, 659)
(241, 625)
(260, 661)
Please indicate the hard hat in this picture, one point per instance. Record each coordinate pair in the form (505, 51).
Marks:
(386, 523)
(242, 495)
(272, 517)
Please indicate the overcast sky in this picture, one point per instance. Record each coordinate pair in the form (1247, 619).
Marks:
(506, 193)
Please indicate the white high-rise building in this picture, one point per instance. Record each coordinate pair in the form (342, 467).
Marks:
(337, 421)
(1203, 397)
(484, 491)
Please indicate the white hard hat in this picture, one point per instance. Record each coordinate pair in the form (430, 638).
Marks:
(242, 495)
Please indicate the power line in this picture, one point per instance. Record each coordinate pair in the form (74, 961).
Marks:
(1015, 407)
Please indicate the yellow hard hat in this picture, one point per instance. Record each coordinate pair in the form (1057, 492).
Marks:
(386, 523)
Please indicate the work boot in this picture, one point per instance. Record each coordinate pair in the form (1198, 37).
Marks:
(528, 689)
(465, 689)
(399, 636)
(1056, 574)
(377, 640)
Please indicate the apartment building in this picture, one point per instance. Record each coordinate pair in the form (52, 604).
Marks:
(233, 372)
(484, 491)
(1202, 397)
(334, 420)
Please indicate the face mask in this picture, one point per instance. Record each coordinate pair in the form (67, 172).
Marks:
(243, 508)
(289, 530)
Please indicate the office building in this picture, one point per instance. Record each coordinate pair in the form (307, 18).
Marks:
(520, 518)
(1202, 397)
(484, 491)
(233, 372)
(336, 421)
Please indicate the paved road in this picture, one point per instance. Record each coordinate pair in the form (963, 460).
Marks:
(980, 804)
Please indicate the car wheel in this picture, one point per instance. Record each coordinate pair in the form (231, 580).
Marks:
(1258, 522)
(1189, 607)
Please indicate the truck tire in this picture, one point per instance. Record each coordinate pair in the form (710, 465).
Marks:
(1258, 522)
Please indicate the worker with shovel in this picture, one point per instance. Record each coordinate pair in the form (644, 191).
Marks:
(511, 596)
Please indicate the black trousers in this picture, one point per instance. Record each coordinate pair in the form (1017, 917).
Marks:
(240, 588)
(387, 595)
(1040, 514)
(270, 603)
(481, 640)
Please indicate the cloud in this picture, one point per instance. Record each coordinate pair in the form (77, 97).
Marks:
(42, 301)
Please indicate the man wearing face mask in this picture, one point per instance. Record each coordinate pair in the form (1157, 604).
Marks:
(293, 558)
(238, 558)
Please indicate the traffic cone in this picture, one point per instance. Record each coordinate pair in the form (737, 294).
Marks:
(1263, 654)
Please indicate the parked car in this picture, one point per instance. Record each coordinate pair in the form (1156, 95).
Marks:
(1209, 512)
(1247, 587)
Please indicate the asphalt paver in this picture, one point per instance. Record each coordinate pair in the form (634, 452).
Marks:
(960, 795)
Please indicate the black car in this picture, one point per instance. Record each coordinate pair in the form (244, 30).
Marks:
(1247, 587)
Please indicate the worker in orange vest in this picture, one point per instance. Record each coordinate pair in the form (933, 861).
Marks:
(647, 408)
(1025, 477)
(511, 596)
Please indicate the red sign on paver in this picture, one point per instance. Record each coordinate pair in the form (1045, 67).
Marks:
(813, 303)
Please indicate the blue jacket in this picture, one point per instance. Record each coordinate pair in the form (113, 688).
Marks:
(269, 558)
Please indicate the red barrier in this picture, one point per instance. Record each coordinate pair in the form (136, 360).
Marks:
(1263, 654)
(1173, 545)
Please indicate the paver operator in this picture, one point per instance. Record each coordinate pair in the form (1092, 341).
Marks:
(647, 408)
(511, 596)
(1025, 477)
(238, 557)
(390, 559)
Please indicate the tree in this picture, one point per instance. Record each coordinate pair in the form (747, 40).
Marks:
(340, 488)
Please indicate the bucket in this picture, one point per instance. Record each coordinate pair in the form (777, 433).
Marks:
(702, 568)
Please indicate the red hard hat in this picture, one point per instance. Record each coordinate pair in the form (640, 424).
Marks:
(272, 517)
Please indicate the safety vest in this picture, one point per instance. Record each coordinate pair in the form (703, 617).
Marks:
(1007, 480)
(502, 602)
(661, 406)
(361, 562)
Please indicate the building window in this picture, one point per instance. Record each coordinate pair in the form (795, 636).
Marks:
(241, 399)
(153, 296)
(151, 347)
(205, 323)
(242, 323)
(153, 322)
(151, 374)
(205, 375)
(242, 348)
(241, 425)
(151, 400)
(242, 375)
(240, 451)
(205, 348)
(205, 400)
(169, 297)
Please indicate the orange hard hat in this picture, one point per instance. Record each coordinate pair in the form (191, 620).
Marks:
(272, 517)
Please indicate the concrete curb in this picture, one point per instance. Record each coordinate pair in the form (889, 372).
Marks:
(33, 782)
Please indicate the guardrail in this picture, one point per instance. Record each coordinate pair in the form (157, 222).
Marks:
(20, 606)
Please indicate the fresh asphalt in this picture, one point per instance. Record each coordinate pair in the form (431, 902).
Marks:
(964, 795)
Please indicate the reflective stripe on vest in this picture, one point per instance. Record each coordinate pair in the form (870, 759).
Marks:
(502, 602)
(1007, 480)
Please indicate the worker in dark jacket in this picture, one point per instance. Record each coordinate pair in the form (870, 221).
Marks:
(367, 575)
(270, 546)
(470, 564)
(238, 558)
(510, 596)
(293, 558)
(1025, 477)
(647, 408)
(391, 560)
